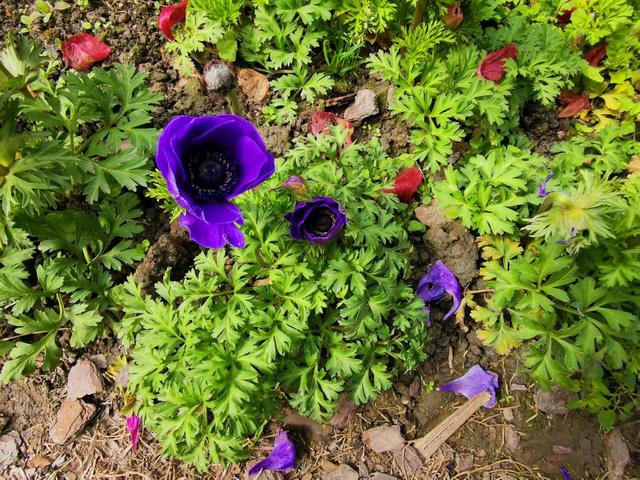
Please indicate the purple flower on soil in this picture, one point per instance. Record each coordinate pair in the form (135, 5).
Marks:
(437, 281)
(281, 458)
(565, 473)
(133, 425)
(318, 220)
(295, 183)
(206, 161)
(473, 383)
(542, 190)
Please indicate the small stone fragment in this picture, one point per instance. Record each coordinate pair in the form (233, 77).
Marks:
(343, 472)
(464, 462)
(72, 417)
(264, 474)
(408, 461)
(345, 413)
(511, 438)
(364, 106)
(254, 85)
(553, 402)
(122, 380)
(83, 380)
(383, 439)
(382, 476)
(508, 415)
(9, 449)
(562, 450)
(100, 361)
(518, 387)
(618, 456)
(38, 461)
(415, 389)
(219, 77)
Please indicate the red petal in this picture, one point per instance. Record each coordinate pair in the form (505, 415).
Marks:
(171, 16)
(83, 50)
(565, 17)
(566, 98)
(406, 184)
(596, 54)
(573, 109)
(492, 66)
(454, 15)
(322, 121)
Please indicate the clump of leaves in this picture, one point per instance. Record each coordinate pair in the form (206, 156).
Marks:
(80, 139)
(215, 353)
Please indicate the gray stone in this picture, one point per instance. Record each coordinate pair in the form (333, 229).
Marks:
(345, 413)
(508, 415)
(553, 402)
(72, 417)
(83, 380)
(511, 438)
(383, 439)
(562, 450)
(9, 449)
(343, 472)
(464, 462)
(408, 461)
(363, 107)
(617, 455)
(219, 77)
(382, 476)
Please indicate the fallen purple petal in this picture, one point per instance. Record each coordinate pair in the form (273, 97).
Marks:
(473, 383)
(565, 473)
(542, 191)
(282, 457)
(436, 282)
(133, 425)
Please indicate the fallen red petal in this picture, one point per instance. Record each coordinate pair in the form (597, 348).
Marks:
(492, 66)
(406, 184)
(322, 121)
(170, 16)
(574, 104)
(454, 16)
(565, 17)
(83, 50)
(596, 54)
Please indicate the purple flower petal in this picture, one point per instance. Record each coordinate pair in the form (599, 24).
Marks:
(565, 473)
(318, 221)
(436, 282)
(542, 190)
(473, 383)
(282, 457)
(133, 425)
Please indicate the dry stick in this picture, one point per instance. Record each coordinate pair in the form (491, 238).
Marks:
(421, 6)
(429, 444)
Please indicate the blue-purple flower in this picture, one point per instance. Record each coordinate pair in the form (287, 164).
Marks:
(542, 190)
(473, 383)
(437, 281)
(282, 457)
(206, 161)
(318, 220)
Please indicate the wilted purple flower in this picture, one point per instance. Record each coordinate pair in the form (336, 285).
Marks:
(437, 281)
(206, 161)
(318, 221)
(133, 425)
(473, 383)
(542, 190)
(281, 458)
(565, 473)
(295, 183)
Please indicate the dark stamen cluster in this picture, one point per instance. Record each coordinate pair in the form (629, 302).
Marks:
(320, 221)
(211, 174)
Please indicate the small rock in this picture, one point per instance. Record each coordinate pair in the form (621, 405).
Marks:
(345, 413)
(363, 470)
(83, 380)
(408, 461)
(313, 429)
(9, 449)
(364, 106)
(415, 389)
(100, 361)
(343, 472)
(38, 461)
(383, 439)
(72, 417)
(508, 415)
(382, 476)
(122, 380)
(562, 450)
(553, 402)
(511, 438)
(517, 387)
(464, 462)
(391, 96)
(448, 452)
(617, 454)
(219, 77)
(254, 85)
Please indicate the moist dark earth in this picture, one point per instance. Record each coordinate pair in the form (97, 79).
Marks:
(514, 440)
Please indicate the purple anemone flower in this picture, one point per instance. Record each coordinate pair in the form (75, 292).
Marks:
(206, 161)
(133, 425)
(437, 281)
(282, 457)
(318, 220)
(542, 190)
(473, 383)
(565, 473)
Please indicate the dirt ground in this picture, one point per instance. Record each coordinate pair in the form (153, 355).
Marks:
(514, 440)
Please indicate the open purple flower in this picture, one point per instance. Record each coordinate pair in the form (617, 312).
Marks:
(542, 190)
(133, 425)
(473, 383)
(281, 458)
(437, 281)
(206, 161)
(318, 220)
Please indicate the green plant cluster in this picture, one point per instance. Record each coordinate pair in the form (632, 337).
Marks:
(71, 152)
(280, 320)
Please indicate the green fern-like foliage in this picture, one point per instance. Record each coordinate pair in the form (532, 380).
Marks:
(216, 352)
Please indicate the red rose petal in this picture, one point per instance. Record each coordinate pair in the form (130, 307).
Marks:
(565, 17)
(492, 66)
(454, 16)
(322, 121)
(574, 103)
(83, 50)
(406, 184)
(170, 16)
(596, 54)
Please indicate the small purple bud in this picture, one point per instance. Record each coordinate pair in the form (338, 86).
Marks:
(133, 425)
(542, 190)
(296, 184)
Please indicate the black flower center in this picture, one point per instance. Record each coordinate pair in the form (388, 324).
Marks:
(211, 174)
(320, 221)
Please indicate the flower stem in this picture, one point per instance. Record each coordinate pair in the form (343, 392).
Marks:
(234, 104)
(421, 6)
